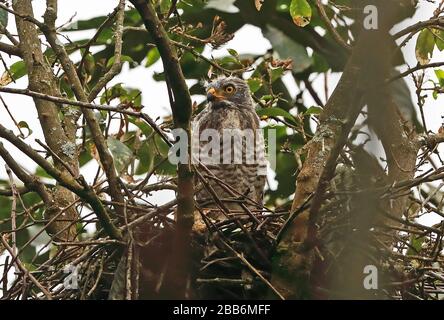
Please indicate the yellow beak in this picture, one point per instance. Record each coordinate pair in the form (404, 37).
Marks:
(212, 95)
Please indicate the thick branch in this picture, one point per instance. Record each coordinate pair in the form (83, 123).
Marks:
(182, 109)
(106, 158)
(362, 83)
(41, 79)
(10, 49)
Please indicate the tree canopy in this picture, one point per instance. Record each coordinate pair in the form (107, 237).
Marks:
(333, 209)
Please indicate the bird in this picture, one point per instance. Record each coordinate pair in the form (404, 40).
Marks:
(230, 110)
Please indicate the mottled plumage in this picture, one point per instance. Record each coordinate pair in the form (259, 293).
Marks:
(230, 107)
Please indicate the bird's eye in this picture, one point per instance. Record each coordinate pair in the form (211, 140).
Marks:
(230, 89)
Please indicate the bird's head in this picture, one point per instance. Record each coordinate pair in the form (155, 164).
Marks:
(229, 92)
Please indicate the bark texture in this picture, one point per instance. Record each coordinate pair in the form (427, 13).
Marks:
(61, 142)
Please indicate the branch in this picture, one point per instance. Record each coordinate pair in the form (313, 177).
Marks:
(10, 37)
(181, 106)
(330, 27)
(106, 158)
(23, 16)
(24, 270)
(60, 100)
(418, 67)
(420, 25)
(294, 261)
(117, 65)
(10, 49)
(41, 79)
(8, 192)
(91, 41)
(66, 180)
(227, 72)
(87, 105)
(307, 36)
(31, 182)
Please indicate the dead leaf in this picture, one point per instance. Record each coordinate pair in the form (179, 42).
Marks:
(219, 36)
(95, 153)
(301, 21)
(5, 79)
(284, 64)
(258, 4)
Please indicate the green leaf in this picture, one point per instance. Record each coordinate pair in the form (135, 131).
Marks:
(276, 73)
(233, 53)
(424, 46)
(255, 84)
(283, 5)
(275, 112)
(416, 243)
(123, 58)
(165, 6)
(440, 75)
(122, 154)
(320, 65)
(84, 157)
(90, 63)
(230, 61)
(18, 69)
(133, 96)
(267, 97)
(159, 150)
(439, 38)
(300, 12)
(142, 125)
(40, 172)
(24, 125)
(287, 48)
(146, 157)
(106, 37)
(152, 57)
(3, 18)
(114, 92)
(313, 110)
(93, 23)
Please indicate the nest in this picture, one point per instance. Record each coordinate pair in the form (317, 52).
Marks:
(232, 258)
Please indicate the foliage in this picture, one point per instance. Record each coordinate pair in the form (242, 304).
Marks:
(299, 55)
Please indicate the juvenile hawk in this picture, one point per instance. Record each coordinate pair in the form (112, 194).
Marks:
(240, 161)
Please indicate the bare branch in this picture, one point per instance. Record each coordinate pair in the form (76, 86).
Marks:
(117, 65)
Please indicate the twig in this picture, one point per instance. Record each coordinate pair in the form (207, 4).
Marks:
(65, 180)
(330, 27)
(254, 270)
(13, 210)
(24, 270)
(412, 70)
(117, 65)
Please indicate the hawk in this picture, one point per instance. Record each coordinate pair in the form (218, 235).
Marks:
(229, 120)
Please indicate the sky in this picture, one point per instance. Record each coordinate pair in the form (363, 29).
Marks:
(247, 40)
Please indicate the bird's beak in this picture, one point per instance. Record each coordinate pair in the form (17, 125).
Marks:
(212, 95)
